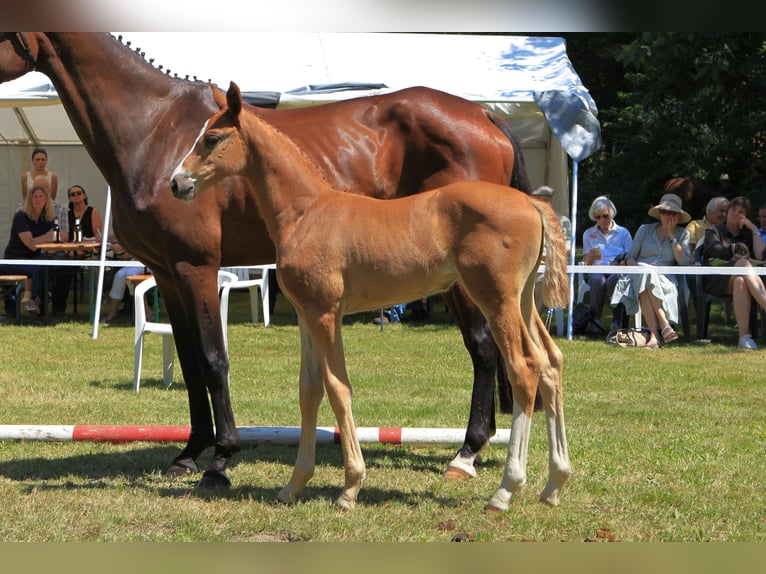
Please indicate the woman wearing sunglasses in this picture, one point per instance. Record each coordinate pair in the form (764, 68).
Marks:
(662, 243)
(604, 244)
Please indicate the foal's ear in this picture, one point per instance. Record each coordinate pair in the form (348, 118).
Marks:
(234, 99)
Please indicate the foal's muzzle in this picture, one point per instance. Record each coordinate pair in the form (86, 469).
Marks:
(183, 186)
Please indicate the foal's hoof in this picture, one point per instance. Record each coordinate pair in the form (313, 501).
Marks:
(179, 470)
(214, 480)
(493, 509)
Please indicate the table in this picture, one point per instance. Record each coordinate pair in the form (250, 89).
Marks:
(65, 248)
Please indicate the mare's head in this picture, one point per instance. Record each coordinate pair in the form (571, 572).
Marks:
(18, 54)
(218, 152)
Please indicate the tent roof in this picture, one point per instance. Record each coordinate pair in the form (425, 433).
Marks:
(513, 74)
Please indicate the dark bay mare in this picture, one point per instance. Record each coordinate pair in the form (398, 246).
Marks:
(375, 252)
(135, 122)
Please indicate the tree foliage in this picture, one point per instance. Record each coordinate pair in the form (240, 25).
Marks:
(672, 104)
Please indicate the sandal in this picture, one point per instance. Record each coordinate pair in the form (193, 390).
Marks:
(669, 334)
(652, 345)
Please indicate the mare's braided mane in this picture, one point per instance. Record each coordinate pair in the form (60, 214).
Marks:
(150, 61)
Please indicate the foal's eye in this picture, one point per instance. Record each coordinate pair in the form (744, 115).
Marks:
(211, 140)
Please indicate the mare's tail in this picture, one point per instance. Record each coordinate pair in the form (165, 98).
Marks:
(555, 278)
(519, 176)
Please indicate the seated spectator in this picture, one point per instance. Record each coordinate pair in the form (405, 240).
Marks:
(391, 315)
(663, 243)
(761, 221)
(715, 214)
(119, 282)
(733, 244)
(603, 244)
(31, 225)
(92, 226)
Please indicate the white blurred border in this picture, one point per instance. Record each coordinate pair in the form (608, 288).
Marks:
(312, 15)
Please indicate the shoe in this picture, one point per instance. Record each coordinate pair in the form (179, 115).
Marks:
(384, 321)
(595, 329)
(748, 343)
(669, 334)
(31, 306)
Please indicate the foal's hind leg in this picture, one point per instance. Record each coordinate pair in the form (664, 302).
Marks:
(523, 361)
(311, 393)
(551, 389)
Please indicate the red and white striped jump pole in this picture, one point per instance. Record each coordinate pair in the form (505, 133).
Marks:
(260, 435)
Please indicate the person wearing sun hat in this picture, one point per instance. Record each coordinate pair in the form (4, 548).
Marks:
(661, 243)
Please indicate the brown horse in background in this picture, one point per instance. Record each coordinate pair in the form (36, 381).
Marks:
(693, 192)
(341, 253)
(133, 120)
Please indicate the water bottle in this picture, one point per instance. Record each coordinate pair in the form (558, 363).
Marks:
(77, 231)
(56, 231)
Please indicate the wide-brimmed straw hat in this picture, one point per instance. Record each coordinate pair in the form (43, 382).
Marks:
(670, 202)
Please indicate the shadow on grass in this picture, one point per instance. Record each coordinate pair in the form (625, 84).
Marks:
(143, 468)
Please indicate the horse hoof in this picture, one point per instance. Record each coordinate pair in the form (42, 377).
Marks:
(214, 480)
(285, 497)
(343, 505)
(179, 470)
(454, 473)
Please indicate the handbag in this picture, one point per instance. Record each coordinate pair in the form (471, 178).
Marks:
(629, 337)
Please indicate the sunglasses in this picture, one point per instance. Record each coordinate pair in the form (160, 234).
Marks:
(603, 216)
(666, 212)
(75, 193)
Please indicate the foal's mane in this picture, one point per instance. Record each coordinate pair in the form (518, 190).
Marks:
(261, 124)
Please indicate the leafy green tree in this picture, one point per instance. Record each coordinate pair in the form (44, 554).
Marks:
(679, 104)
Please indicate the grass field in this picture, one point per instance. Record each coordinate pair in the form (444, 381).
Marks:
(666, 445)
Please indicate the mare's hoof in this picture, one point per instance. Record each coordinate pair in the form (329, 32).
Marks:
(454, 474)
(179, 470)
(214, 480)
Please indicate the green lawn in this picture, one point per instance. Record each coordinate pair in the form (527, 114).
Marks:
(666, 445)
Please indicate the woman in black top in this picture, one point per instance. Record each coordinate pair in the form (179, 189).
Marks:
(735, 243)
(32, 225)
(90, 217)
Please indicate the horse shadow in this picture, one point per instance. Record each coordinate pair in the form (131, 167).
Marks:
(143, 467)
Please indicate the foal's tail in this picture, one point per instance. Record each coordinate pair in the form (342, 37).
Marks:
(555, 278)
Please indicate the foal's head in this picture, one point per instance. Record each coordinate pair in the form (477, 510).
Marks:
(218, 152)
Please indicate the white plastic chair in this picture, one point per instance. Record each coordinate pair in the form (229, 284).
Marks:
(245, 280)
(143, 326)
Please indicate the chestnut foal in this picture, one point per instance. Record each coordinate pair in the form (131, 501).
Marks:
(343, 253)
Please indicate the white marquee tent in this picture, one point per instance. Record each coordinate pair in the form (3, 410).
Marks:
(529, 80)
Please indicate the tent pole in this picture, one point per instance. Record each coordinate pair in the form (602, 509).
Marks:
(573, 244)
(102, 262)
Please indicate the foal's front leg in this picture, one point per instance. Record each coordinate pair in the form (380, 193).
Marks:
(311, 392)
(332, 364)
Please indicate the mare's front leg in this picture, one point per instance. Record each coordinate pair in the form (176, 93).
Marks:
(485, 357)
(192, 302)
(311, 393)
